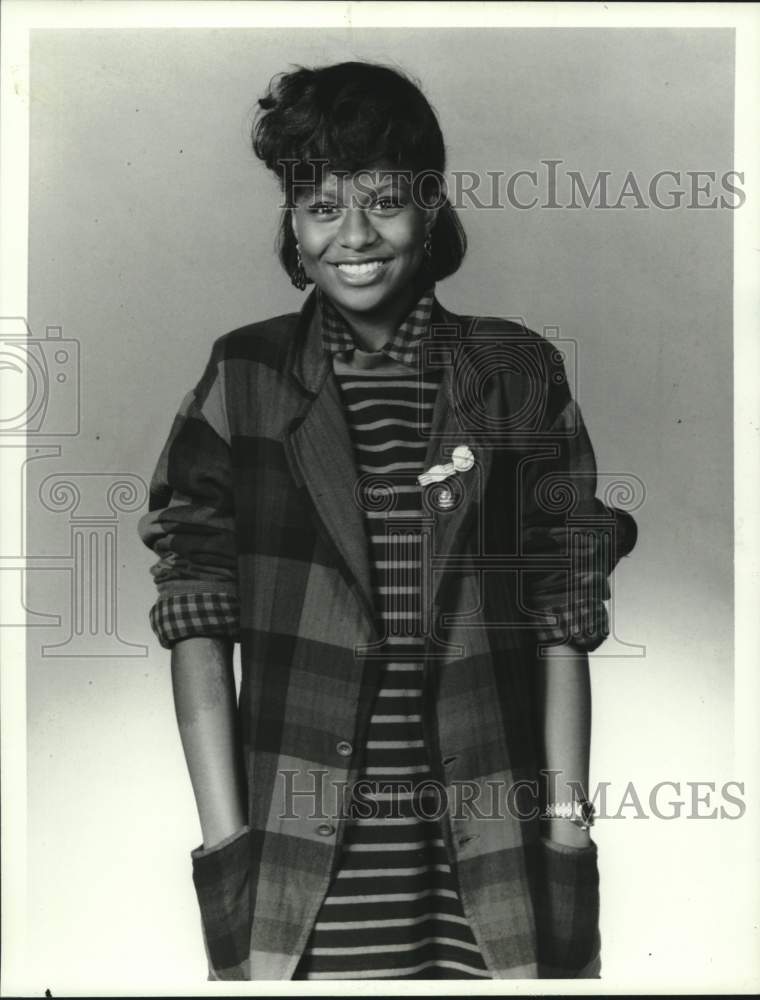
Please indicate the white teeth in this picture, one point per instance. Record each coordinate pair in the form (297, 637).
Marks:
(367, 268)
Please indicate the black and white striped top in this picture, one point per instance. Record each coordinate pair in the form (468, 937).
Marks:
(393, 908)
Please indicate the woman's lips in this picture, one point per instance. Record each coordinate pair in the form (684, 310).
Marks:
(362, 273)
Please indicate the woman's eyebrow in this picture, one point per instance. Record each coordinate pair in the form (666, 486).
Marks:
(389, 186)
(322, 192)
(373, 184)
(389, 177)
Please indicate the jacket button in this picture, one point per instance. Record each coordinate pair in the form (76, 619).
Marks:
(344, 748)
(325, 829)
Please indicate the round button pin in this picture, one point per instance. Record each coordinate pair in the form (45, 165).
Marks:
(344, 748)
(462, 458)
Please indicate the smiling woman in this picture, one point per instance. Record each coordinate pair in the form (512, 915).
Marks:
(390, 618)
(363, 248)
(361, 238)
(360, 158)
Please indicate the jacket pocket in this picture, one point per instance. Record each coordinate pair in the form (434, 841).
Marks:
(566, 903)
(221, 875)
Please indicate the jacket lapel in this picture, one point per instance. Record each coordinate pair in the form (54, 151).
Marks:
(450, 427)
(321, 453)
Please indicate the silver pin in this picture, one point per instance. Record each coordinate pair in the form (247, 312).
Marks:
(462, 460)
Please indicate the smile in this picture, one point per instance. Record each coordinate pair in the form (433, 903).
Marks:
(359, 273)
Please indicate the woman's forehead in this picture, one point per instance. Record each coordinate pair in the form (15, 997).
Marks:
(373, 178)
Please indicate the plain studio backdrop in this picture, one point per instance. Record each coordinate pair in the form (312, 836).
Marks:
(151, 233)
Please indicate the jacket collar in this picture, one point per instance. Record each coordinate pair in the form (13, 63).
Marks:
(310, 357)
(403, 346)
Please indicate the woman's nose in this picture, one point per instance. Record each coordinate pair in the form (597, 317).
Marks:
(356, 229)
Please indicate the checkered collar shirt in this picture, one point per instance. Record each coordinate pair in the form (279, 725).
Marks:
(403, 346)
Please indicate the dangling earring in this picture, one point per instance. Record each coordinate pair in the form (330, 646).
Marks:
(298, 277)
(428, 247)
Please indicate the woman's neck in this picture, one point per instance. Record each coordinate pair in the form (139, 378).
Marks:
(373, 330)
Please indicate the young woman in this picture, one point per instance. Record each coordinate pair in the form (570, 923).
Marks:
(392, 508)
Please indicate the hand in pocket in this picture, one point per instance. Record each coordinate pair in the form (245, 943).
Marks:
(566, 903)
(221, 874)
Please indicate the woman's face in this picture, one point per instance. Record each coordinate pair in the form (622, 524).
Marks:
(362, 238)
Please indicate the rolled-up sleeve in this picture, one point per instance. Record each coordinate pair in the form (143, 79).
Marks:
(190, 520)
(571, 540)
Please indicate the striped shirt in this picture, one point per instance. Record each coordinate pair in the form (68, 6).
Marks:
(393, 908)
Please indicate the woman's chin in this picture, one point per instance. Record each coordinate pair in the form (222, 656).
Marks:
(384, 292)
(359, 298)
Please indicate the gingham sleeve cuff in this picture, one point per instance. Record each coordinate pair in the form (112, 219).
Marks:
(584, 626)
(182, 616)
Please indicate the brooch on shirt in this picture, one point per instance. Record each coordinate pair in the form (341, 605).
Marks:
(462, 460)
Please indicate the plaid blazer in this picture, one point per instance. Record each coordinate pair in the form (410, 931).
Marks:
(255, 520)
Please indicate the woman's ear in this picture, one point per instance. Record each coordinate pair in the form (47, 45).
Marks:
(293, 223)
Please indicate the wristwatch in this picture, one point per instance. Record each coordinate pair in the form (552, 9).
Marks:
(581, 812)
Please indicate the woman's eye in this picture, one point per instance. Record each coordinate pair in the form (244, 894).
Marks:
(323, 209)
(387, 204)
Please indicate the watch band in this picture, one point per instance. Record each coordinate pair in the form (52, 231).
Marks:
(579, 813)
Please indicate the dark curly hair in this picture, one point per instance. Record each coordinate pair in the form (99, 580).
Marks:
(348, 117)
